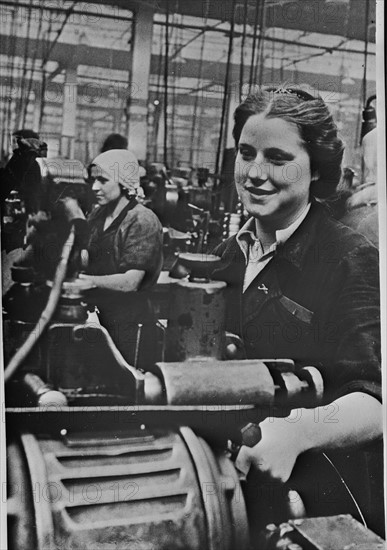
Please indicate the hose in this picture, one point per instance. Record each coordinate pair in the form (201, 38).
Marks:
(45, 318)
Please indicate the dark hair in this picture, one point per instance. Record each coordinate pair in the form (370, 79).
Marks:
(315, 124)
(25, 133)
(114, 141)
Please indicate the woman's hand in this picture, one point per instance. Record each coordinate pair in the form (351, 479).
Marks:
(72, 209)
(348, 422)
(276, 453)
(85, 277)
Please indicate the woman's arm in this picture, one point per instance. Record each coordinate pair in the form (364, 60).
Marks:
(121, 282)
(352, 420)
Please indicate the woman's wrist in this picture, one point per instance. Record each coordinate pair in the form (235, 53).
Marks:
(120, 282)
(294, 428)
(351, 420)
(100, 281)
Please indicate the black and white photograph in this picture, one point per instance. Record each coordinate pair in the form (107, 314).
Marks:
(193, 270)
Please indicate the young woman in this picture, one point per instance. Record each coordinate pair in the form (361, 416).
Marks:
(125, 253)
(303, 286)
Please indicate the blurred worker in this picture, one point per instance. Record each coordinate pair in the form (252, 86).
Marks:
(362, 205)
(114, 141)
(20, 195)
(22, 172)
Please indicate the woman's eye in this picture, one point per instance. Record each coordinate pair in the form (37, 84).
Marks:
(277, 156)
(276, 159)
(246, 155)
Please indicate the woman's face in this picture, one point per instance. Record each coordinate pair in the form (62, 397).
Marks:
(106, 190)
(272, 171)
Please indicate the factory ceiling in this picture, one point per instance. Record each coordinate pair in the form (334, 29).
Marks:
(340, 17)
(314, 42)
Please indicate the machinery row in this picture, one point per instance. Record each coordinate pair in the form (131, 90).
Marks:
(103, 454)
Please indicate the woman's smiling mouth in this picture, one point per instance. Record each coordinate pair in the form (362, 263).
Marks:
(259, 192)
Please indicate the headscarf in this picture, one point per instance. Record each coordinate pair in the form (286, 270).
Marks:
(121, 166)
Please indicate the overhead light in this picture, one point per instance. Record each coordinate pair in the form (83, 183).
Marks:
(348, 80)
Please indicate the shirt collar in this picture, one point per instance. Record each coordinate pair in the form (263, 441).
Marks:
(282, 235)
(247, 234)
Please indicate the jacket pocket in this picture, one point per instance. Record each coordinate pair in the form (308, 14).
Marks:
(298, 311)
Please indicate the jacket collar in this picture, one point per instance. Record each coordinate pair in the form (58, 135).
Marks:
(297, 246)
(246, 236)
(293, 250)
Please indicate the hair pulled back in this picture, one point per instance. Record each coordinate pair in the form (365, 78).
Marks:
(316, 126)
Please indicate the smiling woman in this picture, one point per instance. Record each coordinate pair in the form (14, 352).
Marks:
(305, 287)
(272, 172)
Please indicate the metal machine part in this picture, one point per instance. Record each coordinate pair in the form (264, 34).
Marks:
(265, 383)
(324, 533)
(83, 362)
(71, 306)
(206, 381)
(63, 177)
(134, 489)
(369, 117)
(195, 325)
(41, 394)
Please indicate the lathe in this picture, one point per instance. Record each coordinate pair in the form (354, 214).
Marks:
(104, 455)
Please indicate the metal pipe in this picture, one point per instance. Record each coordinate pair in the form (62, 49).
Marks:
(60, 274)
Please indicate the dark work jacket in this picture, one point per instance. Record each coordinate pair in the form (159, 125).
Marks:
(317, 302)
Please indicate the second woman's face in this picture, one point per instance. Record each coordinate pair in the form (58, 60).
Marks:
(272, 171)
(106, 190)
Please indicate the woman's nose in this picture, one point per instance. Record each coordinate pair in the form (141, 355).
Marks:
(258, 170)
(96, 185)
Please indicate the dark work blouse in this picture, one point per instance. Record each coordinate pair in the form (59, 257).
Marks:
(132, 241)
